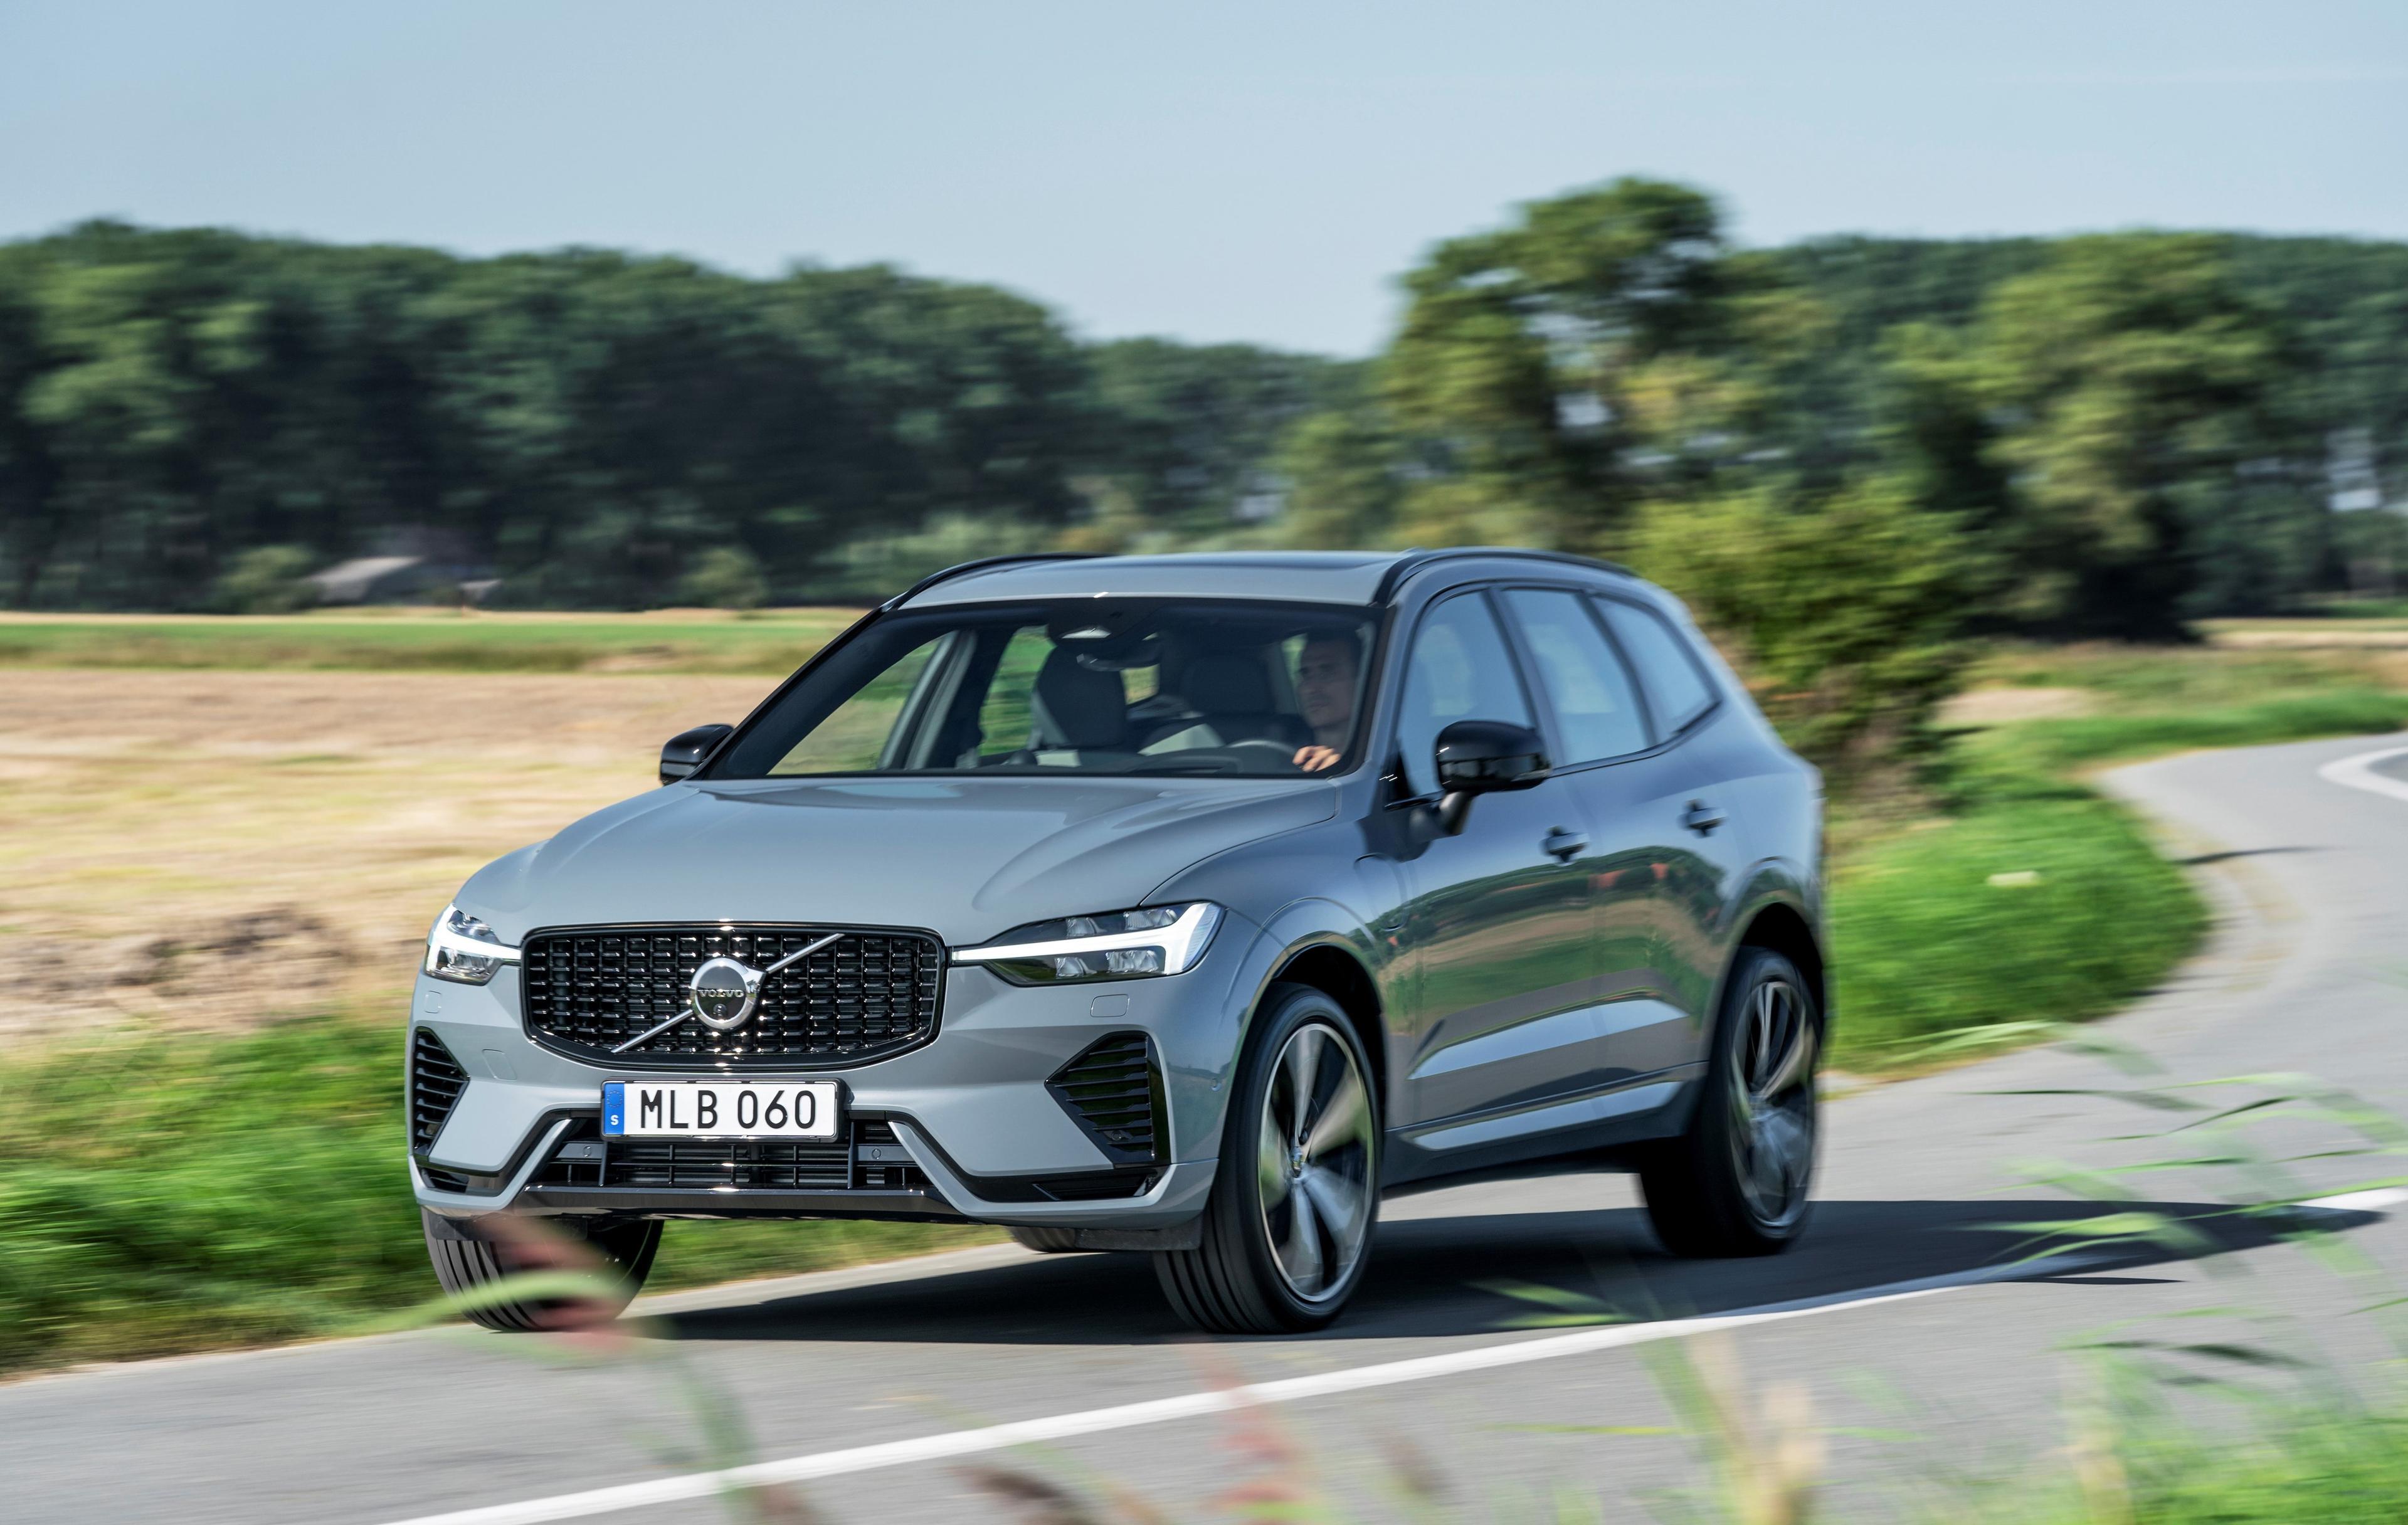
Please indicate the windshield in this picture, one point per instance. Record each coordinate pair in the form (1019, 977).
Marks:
(1076, 686)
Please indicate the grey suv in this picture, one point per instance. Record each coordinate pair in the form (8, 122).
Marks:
(1177, 904)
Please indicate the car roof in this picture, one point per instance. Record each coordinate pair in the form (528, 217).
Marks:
(1325, 577)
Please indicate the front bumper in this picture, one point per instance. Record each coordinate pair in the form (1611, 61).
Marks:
(966, 1128)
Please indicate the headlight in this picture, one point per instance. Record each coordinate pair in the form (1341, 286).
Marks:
(464, 949)
(1113, 946)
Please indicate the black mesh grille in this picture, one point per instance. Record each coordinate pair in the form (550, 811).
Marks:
(761, 1164)
(435, 1081)
(872, 994)
(1114, 1090)
(583, 1157)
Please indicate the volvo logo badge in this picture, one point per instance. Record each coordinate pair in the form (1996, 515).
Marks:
(722, 993)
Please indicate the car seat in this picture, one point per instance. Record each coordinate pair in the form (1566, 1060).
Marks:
(1075, 710)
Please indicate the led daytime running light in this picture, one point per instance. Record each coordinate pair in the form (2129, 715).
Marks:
(463, 949)
(1180, 944)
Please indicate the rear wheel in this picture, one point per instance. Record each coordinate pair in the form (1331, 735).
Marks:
(467, 1257)
(1737, 1181)
(1288, 1228)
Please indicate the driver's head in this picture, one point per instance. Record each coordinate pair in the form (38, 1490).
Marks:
(1325, 673)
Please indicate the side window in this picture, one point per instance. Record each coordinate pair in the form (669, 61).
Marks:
(1677, 690)
(1460, 669)
(1596, 706)
(850, 739)
(1004, 719)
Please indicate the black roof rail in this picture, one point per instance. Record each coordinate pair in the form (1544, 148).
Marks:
(980, 565)
(1415, 559)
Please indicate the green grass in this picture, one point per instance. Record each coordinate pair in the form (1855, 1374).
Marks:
(2307, 1465)
(160, 1193)
(775, 642)
(2091, 740)
(1924, 945)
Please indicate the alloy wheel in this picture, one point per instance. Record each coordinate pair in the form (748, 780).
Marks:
(1313, 1162)
(1772, 1104)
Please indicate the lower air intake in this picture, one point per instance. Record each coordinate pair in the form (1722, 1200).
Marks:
(1115, 1089)
(435, 1081)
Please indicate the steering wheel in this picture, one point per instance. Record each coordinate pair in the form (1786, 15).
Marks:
(1281, 750)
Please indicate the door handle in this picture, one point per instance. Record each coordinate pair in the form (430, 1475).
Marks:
(1563, 846)
(1702, 818)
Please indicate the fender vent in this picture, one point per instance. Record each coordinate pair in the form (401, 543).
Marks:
(1115, 1089)
(435, 1081)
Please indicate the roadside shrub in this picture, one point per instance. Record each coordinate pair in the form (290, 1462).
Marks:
(724, 577)
(1842, 613)
(265, 580)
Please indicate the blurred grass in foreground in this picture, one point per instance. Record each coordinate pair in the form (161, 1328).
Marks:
(2311, 1466)
(673, 640)
(161, 1193)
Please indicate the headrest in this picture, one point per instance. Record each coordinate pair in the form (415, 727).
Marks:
(1077, 707)
(1227, 684)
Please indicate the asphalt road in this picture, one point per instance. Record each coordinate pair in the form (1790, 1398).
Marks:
(1927, 1343)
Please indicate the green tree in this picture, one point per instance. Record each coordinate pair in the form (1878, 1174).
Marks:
(1344, 472)
(267, 580)
(724, 577)
(1844, 611)
(1520, 349)
(2125, 390)
(1187, 432)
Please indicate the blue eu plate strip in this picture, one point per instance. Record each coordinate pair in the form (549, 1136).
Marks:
(614, 1109)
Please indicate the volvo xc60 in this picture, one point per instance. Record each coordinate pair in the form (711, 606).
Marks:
(1179, 905)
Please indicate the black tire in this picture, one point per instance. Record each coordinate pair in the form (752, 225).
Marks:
(1739, 1180)
(1233, 1282)
(466, 1257)
(1046, 1241)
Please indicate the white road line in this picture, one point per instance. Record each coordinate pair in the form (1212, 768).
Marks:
(2358, 772)
(800, 1469)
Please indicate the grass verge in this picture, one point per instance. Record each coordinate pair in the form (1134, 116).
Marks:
(2035, 900)
(162, 1193)
(2048, 905)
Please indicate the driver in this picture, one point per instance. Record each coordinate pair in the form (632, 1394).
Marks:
(1326, 672)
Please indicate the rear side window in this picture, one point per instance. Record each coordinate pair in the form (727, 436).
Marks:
(1460, 669)
(1676, 685)
(1596, 705)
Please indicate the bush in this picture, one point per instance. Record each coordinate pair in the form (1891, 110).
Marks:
(267, 580)
(724, 577)
(1842, 613)
(879, 569)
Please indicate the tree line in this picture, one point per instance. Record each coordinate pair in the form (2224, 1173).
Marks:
(604, 430)
(1853, 453)
(1849, 451)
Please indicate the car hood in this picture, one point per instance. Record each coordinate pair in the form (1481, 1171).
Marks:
(965, 857)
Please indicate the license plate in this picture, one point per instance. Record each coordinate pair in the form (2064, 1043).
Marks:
(719, 1109)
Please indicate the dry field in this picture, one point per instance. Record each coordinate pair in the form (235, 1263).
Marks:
(212, 849)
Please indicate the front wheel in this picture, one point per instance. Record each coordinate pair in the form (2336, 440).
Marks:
(1737, 1181)
(1289, 1223)
(468, 1256)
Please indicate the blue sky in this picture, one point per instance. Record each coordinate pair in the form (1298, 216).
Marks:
(1213, 171)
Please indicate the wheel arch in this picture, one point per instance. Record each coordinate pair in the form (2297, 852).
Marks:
(1333, 970)
(1781, 928)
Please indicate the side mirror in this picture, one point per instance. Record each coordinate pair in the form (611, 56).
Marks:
(1485, 756)
(686, 749)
